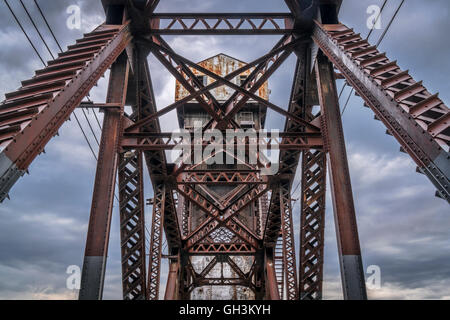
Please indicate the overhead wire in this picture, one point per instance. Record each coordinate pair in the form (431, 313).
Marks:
(25, 33)
(59, 46)
(390, 23)
(60, 49)
(42, 60)
(48, 25)
(378, 43)
(90, 126)
(37, 29)
(367, 38)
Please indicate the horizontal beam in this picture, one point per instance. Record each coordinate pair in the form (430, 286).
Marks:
(126, 145)
(222, 15)
(222, 248)
(91, 105)
(221, 23)
(244, 32)
(169, 135)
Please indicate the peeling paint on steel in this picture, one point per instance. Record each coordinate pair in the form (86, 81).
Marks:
(221, 65)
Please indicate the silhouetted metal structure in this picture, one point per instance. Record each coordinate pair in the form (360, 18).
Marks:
(253, 217)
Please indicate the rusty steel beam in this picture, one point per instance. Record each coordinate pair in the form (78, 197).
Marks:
(259, 65)
(96, 252)
(300, 100)
(268, 135)
(156, 159)
(279, 261)
(312, 224)
(173, 281)
(132, 226)
(150, 6)
(221, 23)
(221, 178)
(32, 115)
(245, 95)
(156, 235)
(273, 220)
(247, 90)
(284, 142)
(306, 11)
(272, 292)
(204, 249)
(287, 231)
(184, 75)
(230, 220)
(131, 198)
(347, 232)
(164, 214)
(415, 117)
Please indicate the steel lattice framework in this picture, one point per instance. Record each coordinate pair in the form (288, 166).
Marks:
(312, 141)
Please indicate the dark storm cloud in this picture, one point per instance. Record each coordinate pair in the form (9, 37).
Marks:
(403, 228)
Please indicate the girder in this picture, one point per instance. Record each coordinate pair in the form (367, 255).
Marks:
(352, 273)
(220, 24)
(312, 224)
(289, 159)
(132, 226)
(156, 240)
(416, 118)
(96, 252)
(32, 115)
(289, 257)
(156, 159)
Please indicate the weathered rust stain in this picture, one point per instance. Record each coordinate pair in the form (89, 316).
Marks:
(221, 65)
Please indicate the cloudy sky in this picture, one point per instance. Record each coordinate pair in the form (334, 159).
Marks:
(404, 229)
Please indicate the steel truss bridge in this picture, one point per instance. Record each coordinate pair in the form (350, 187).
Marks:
(312, 141)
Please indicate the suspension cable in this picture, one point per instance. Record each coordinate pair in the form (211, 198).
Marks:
(60, 49)
(390, 23)
(378, 43)
(367, 38)
(25, 33)
(42, 60)
(85, 136)
(90, 126)
(37, 29)
(48, 26)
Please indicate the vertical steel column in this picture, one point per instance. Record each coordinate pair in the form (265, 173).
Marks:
(312, 224)
(154, 271)
(344, 209)
(185, 276)
(280, 263)
(172, 287)
(96, 252)
(287, 229)
(132, 226)
(272, 292)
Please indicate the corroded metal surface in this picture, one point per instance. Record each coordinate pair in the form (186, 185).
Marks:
(221, 65)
